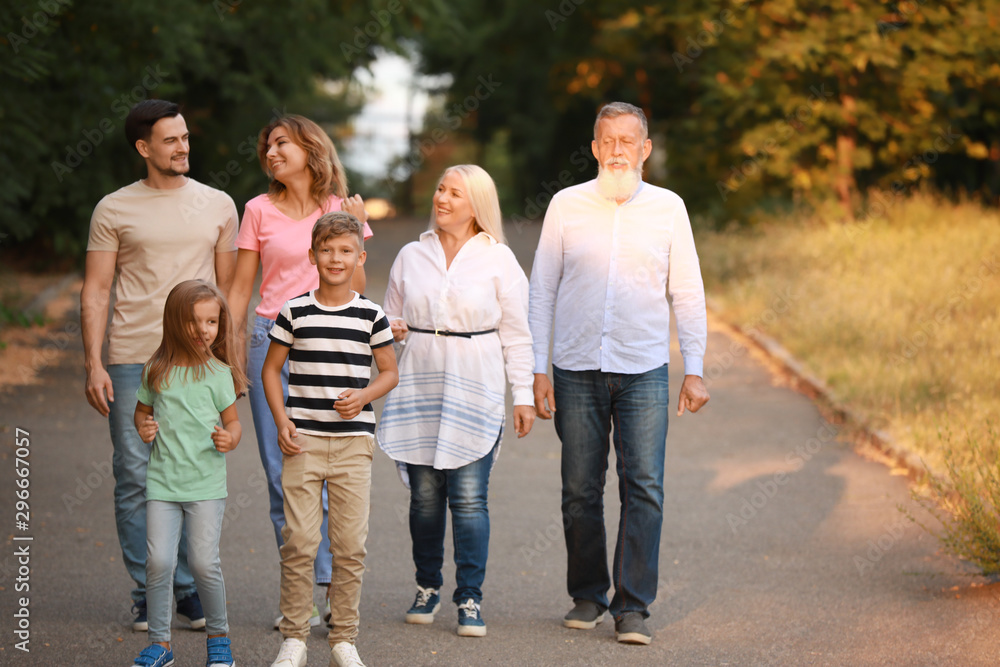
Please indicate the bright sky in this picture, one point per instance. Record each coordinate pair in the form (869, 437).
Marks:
(380, 128)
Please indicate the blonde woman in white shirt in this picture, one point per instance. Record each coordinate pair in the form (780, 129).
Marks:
(458, 303)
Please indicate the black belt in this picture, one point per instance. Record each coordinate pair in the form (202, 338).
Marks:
(460, 334)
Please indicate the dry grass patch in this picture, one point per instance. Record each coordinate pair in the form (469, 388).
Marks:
(899, 314)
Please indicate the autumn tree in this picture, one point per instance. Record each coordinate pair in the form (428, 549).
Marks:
(751, 103)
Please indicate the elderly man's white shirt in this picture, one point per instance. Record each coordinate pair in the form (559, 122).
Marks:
(602, 273)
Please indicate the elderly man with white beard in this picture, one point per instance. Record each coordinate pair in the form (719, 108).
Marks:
(610, 252)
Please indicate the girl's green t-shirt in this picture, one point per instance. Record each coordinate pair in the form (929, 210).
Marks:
(184, 465)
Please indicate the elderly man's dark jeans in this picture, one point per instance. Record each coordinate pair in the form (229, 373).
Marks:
(588, 404)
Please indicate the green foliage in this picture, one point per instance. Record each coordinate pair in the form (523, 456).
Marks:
(749, 101)
(866, 95)
(966, 502)
(12, 309)
(19, 318)
(71, 70)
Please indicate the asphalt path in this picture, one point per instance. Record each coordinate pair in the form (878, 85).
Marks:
(781, 545)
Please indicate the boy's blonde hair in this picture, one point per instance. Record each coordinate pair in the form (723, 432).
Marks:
(338, 223)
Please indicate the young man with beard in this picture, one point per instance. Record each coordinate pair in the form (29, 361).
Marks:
(610, 251)
(147, 236)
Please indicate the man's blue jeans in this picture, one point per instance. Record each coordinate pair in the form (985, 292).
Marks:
(129, 461)
(463, 489)
(270, 452)
(589, 403)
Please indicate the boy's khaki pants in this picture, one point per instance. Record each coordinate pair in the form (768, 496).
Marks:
(345, 464)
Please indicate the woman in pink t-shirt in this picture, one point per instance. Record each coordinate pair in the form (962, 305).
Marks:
(307, 180)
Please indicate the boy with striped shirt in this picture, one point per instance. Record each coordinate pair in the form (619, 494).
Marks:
(326, 430)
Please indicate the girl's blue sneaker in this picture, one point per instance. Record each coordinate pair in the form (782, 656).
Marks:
(154, 655)
(219, 653)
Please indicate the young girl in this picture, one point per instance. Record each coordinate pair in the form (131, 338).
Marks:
(186, 385)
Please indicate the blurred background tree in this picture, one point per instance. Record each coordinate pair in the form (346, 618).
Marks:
(753, 105)
(71, 70)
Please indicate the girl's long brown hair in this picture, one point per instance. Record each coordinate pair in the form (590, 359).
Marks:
(176, 345)
(328, 175)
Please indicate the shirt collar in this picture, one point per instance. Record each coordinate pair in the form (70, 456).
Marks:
(431, 234)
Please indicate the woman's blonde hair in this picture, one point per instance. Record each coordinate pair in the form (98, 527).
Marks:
(482, 194)
(328, 176)
(176, 345)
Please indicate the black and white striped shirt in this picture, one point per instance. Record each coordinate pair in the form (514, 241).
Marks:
(331, 350)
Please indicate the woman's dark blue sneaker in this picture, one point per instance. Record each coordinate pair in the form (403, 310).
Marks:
(470, 620)
(425, 605)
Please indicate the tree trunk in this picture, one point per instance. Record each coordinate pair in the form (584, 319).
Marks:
(843, 183)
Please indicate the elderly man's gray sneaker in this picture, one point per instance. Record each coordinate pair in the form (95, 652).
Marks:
(631, 629)
(584, 615)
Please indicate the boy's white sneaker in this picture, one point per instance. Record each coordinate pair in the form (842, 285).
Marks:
(291, 654)
(344, 654)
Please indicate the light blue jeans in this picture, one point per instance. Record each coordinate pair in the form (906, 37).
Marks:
(164, 521)
(270, 452)
(129, 461)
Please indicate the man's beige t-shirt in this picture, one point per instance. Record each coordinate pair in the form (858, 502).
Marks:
(162, 237)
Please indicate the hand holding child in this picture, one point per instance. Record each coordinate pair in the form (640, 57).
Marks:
(349, 404)
(223, 440)
(148, 429)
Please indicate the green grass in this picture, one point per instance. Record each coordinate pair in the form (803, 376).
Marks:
(899, 314)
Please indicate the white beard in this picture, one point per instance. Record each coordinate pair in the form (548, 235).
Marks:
(618, 186)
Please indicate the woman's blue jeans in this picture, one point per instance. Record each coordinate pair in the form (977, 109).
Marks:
(590, 403)
(270, 452)
(464, 490)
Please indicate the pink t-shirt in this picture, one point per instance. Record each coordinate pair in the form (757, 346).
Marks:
(283, 245)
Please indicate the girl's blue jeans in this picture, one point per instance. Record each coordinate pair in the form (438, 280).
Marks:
(270, 452)
(203, 520)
